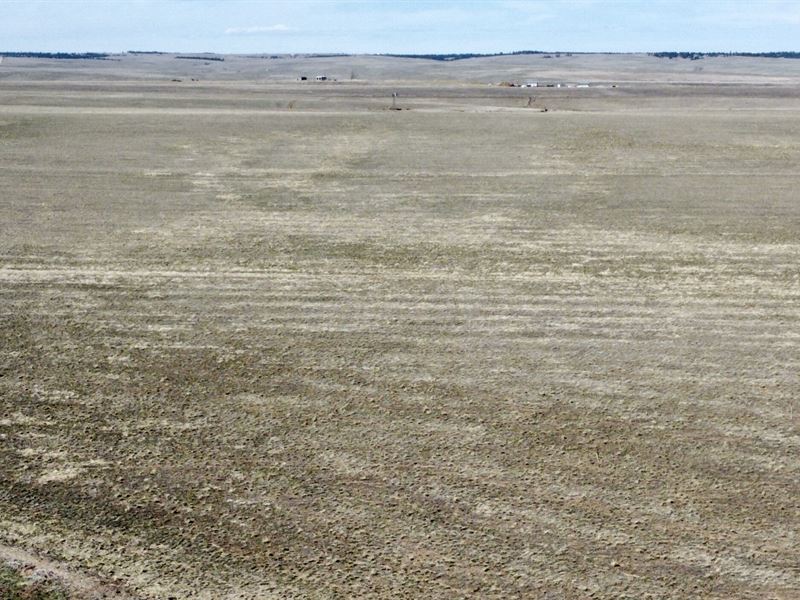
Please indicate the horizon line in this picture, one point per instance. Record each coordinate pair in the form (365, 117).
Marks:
(412, 54)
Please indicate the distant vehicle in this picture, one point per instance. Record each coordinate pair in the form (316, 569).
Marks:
(321, 78)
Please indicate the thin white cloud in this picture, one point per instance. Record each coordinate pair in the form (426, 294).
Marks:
(257, 30)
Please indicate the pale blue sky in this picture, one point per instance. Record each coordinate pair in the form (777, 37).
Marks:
(411, 26)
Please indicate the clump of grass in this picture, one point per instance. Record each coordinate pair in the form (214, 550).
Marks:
(14, 585)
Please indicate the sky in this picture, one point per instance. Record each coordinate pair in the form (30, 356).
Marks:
(410, 26)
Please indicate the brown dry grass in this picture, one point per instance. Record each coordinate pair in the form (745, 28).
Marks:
(464, 350)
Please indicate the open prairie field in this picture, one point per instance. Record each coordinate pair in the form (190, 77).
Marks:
(263, 338)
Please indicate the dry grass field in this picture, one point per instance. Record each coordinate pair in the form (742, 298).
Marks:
(268, 339)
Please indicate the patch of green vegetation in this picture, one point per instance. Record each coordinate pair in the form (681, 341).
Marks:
(15, 586)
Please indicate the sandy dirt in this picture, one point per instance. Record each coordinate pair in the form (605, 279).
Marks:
(268, 339)
(33, 567)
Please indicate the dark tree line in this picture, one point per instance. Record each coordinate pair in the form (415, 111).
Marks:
(670, 55)
(701, 55)
(464, 56)
(57, 55)
(216, 58)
